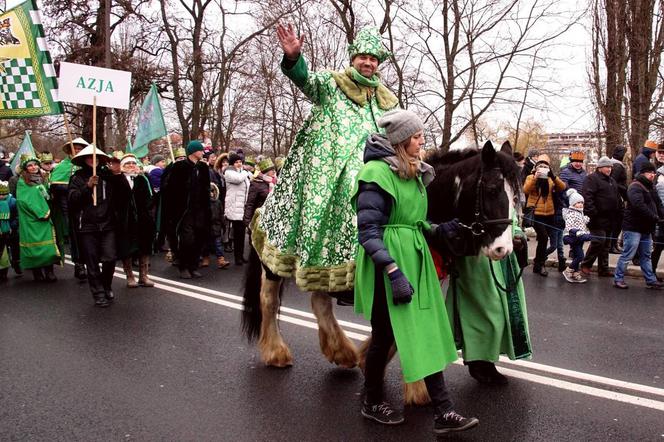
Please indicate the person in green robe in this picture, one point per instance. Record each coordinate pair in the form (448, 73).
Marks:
(8, 222)
(489, 315)
(307, 229)
(39, 250)
(396, 284)
(59, 186)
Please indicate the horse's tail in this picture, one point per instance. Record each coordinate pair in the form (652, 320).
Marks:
(251, 313)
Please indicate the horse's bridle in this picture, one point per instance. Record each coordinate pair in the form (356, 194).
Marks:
(477, 227)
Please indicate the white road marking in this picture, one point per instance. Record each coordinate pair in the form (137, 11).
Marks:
(235, 302)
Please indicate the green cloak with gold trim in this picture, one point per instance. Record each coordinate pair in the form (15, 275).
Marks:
(36, 232)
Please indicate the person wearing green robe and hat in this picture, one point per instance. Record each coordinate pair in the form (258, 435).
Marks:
(39, 250)
(306, 229)
(59, 184)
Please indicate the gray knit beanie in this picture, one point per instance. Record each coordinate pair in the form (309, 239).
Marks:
(157, 158)
(400, 124)
(604, 162)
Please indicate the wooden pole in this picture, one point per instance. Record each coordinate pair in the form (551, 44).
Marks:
(170, 148)
(71, 140)
(94, 149)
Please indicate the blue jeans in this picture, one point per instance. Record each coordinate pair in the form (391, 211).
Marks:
(556, 242)
(633, 242)
(576, 247)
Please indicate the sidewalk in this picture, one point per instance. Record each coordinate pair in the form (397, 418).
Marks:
(552, 261)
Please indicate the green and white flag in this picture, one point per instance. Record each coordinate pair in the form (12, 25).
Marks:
(28, 84)
(151, 125)
(24, 149)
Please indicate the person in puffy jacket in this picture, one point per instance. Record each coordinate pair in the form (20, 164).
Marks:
(644, 210)
(237, 189)
(539, 189)
(395, 274)
(643, 157)
(575, 234)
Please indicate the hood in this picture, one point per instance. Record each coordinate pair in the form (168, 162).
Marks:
(377, 147)
(647, 151)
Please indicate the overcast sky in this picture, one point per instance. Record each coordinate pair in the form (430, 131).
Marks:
(572, 112)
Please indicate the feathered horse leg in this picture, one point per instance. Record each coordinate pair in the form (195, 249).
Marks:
(414, 393)
(273, 349)
(334, 343)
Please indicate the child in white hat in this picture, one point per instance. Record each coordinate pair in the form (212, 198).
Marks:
(575, 234)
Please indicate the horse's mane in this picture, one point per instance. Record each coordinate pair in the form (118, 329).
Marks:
(445, 162)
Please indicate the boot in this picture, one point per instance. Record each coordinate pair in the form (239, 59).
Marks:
(79, 272)
(485, 373)
(3, 274)
(49, 276)
(100, 300)
(205, 262)
(562, 264)
(17, 268)
(129, 271)
(37, 274)
(222, 263)
(143, 279)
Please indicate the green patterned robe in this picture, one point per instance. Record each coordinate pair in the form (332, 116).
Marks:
(307, 227)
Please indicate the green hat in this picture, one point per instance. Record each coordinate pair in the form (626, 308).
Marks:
(266, 165)
(250, 161)
(117, 155)
(194, 146)
(179, 152)
(46, 157)
(26, 158)
(4, 187)
(368, 41)
(279, 162)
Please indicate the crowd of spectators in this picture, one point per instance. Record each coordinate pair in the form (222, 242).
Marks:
(602, 208)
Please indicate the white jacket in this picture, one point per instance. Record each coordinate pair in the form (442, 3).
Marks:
(237, 189)
(575, 219)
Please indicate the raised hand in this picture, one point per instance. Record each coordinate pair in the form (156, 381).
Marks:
(290, 43)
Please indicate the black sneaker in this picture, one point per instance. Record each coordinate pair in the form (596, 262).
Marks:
(452, 421)
(382, 413)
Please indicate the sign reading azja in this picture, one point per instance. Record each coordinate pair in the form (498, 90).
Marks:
(81, 83)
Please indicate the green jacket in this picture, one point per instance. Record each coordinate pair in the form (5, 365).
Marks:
(421, 328)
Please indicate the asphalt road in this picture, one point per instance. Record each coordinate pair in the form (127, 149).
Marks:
(169, 363)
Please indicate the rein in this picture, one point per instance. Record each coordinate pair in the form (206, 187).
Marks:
(477, 227)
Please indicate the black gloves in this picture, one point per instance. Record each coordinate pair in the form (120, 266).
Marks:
(402, 291)
(448, 229)
(551, 175)
(447, 238)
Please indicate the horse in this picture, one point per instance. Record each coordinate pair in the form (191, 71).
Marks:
(479, 187)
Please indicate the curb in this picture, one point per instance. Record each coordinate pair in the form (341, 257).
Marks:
(632, 270)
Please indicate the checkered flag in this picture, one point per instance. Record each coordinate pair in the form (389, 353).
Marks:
(28, 85)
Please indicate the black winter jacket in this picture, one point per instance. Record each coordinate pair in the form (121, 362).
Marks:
(602, 201)
(85, 216)
(5, 171)
(644, 207)
(258, 192)
(619, 173)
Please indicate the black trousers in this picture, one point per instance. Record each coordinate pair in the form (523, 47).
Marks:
(98, 248)
(541, 228)
(239, 232)
(598, 250)
(382, 338)
(14, 249)
(191, 238)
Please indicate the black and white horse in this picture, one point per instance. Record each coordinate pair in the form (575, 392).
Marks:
(478, 187)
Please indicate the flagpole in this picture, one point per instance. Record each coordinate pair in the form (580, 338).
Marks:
(170, 148)
(94, 149)
(71, 140)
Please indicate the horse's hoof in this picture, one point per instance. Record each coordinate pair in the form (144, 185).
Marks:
(278, 357)
(346, 358)
(415, 393)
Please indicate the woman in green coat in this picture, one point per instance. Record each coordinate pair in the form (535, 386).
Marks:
(39, 250)
(396, 285)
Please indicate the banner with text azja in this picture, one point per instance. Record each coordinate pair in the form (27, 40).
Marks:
(79, 83)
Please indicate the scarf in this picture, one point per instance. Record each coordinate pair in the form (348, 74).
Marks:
(424, 170)
(35, 178)
(359, 90)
